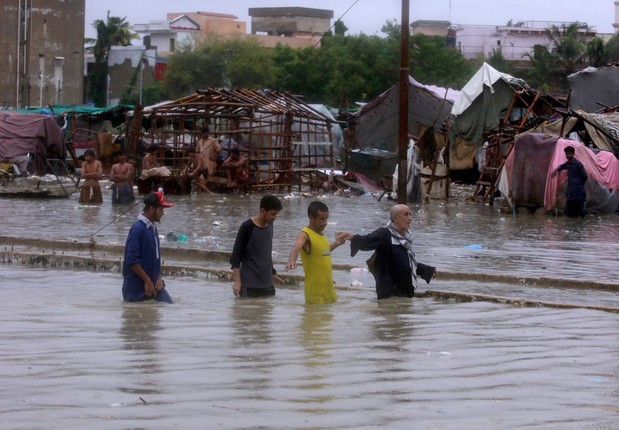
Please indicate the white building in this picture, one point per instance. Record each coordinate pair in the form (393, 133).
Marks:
(514, 42)
(166, 35)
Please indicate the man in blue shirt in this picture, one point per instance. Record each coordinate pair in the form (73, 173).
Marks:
(576, 178)
(142, 264)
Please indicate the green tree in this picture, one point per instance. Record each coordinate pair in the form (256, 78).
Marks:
(499, 62)
(432, 62)
(114, 31)
(301, 71)
(568, 44)
(539, 75)
(339, 28)
(611, 49)
(595, 51)
(217, 62)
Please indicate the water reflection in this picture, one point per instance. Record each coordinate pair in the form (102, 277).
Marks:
(316, 334)
(392, 328)
(139, 330)
(251, 320)
(316, 339)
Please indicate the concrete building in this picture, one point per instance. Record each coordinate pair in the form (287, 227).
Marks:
(430, 27)
(42, 54)
(513, 41)
(297, 27)
(125, 71)
(285, 25)
(179, 28)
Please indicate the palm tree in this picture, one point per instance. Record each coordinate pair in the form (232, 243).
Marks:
(596, 51)
(568, 44)
(112, 32)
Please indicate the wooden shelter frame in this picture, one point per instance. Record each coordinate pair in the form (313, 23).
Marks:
(286, 141)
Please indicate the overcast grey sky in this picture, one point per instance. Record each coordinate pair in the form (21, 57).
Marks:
(368, 16)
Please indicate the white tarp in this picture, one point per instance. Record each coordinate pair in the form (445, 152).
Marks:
(486, 75)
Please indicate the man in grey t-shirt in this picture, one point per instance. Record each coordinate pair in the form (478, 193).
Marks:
(253, 274)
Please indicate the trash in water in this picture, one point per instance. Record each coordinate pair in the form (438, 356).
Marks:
(356, 283)
(359, 269)
(219, 223)
(172, 237)
(182, 238)
(474, 246)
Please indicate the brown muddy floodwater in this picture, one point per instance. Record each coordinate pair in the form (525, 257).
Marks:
(74, 356)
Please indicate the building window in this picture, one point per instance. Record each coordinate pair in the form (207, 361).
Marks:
(498, 43)
(172, 41)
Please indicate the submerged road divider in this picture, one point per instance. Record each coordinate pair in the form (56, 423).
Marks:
(470, 297)
(61, 260)
(185, 261)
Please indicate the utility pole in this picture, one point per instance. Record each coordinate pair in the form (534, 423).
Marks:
(403, 117)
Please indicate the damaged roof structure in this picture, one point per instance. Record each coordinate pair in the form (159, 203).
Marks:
(285, 139)
(519, 133)
(372, 135)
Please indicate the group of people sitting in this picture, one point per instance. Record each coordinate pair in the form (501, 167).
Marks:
(206, 160)
(209, 155)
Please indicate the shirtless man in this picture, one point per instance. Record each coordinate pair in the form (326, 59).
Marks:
(150, 159)
(150, 165)
(237, 168)
(208, 149)
(196, 169)
(121, 175)
(92, 171)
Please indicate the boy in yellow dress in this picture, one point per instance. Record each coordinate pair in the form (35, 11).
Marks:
(315, 251)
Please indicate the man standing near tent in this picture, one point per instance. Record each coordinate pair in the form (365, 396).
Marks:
(121, 175)
(91, 172)
(576, 178)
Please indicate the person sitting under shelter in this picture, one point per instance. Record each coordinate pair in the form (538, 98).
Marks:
(150, 165)
(236, 168)
(208, 149)
(198, 170)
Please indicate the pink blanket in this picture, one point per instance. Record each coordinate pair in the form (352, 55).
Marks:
(602, 167)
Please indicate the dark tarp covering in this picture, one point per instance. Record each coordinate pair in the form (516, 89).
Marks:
(593, 85)
(532, 155)
(376, 123)
(528, 168)
(34, 134)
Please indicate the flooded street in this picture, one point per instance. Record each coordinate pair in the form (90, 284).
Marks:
(73, 355)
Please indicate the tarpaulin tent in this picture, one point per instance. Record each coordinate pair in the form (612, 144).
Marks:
(38, 135)
(526, 179)
(374, 139)
(595, 88)
(481, 103)
(495, 102)
(376, 123)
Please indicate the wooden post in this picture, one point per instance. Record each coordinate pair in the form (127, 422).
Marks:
(403, 117)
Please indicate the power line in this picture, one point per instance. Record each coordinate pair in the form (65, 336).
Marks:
(336, 21)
